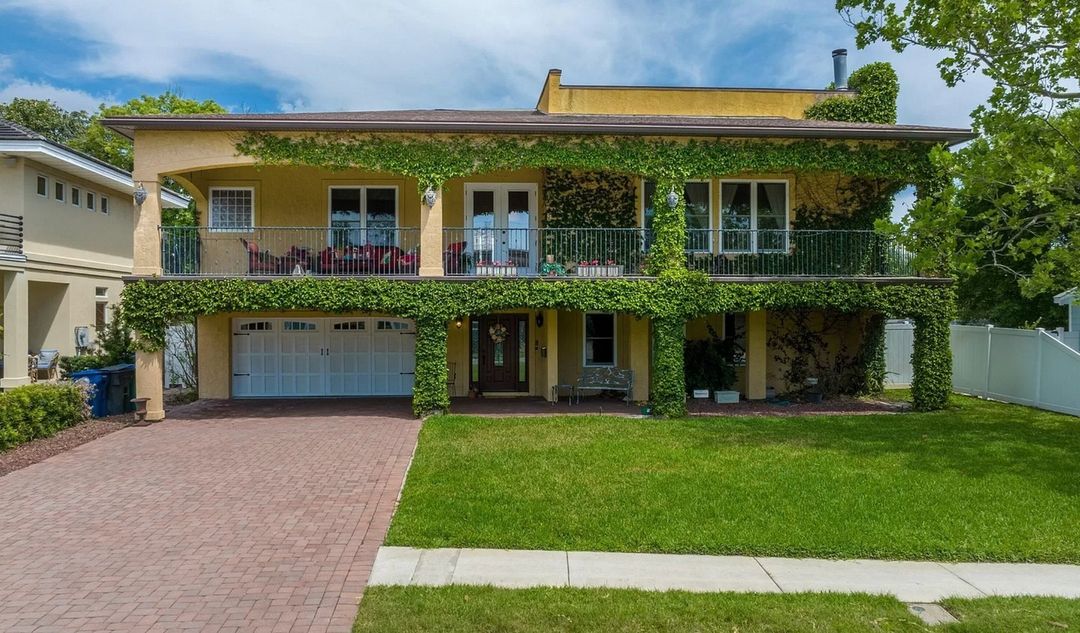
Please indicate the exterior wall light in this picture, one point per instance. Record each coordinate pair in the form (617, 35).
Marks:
(139, 195)
(457, 323)
(430, 196)
(672, 199)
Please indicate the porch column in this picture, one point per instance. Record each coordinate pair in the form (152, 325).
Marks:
(931, 363)
(756, 354)
(639, 358)
(669, 366)
(431, 237)
(430, 393)
(150, 382)
(551, 342)
(147, 220)
(16, 329)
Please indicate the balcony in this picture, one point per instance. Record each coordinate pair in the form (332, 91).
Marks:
(796, 253)
(11, 237)
(289, 251)
(547, 252)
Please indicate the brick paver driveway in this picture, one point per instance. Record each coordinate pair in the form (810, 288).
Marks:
(240, 516)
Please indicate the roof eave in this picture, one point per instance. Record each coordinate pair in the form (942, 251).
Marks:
(127, 126)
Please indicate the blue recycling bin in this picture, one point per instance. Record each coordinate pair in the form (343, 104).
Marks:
(99, 401)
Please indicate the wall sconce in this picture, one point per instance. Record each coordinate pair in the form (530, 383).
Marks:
(430, 196)
(539, 319)
(139, 195)
(672, 199)
(458, 323)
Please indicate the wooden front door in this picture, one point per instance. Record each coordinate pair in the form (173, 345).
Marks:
(501, 351)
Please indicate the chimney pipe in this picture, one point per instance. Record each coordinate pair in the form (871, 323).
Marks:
(839, 66)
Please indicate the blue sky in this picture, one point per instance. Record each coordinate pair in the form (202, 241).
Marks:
(271, 55)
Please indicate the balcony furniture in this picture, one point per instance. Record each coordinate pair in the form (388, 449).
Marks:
(261, 262)
(604, 379)
(454, 259)
(46, 362)
(555, 389)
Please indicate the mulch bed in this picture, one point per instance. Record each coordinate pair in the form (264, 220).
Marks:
(37, 450)
(830, 406)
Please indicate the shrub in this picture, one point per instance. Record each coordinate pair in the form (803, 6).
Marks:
(33, 411)
(114, 346)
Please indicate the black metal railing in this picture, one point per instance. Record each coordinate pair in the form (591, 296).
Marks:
(546, 252)
(11, 235)
(284, 251)
(811, 253)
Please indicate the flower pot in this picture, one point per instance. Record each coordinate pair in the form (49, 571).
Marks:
(702, 394)
(488, 270)
(600, 270)
(726, 397)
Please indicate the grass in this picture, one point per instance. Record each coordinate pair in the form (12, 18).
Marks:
(462, 609)
(979, 481)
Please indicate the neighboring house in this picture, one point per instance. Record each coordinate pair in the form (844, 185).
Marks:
(1071, 335)
(525, 223)
(65, 244)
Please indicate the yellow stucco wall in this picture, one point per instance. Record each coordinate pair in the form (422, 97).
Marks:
(556, 98)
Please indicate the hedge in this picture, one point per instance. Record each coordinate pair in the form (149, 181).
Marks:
(41, 410)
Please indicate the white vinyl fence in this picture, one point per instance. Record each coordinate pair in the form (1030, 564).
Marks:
(1030, 367)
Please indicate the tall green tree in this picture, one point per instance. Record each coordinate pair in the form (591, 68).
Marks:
(46, 118)
(1010, 204)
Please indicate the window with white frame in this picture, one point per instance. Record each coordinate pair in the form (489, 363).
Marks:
(43, 186)
(599, 339)
(76, 196)
(104, 204)
(363, 215)
(697, 197)
(231, 208)
(101, 308)
(754, 215)
(58, 191)
(90, 200)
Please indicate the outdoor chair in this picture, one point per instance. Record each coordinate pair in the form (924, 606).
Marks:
(261, 262)
(47, 363)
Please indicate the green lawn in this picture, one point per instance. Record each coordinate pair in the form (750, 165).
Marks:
(979, 481)
(483, 609)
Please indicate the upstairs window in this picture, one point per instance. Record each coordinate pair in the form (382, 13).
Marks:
(697, 198)
(58, 191)
(363, 215)
(754, 215)
(104, 204)
(76, 196)
(232, 208)
(90, 200)
(43, 186)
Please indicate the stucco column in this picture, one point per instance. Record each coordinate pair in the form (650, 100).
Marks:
(431, 237)
(16, 330)
(150, 382)
(756, 354)
(551, 342)
(639, 358)
(147, 240)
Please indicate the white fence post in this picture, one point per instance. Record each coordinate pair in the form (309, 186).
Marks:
(989, 346)
(1038, 363)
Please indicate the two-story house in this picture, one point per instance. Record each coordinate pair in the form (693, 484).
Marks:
(436, 252)
(65, 245)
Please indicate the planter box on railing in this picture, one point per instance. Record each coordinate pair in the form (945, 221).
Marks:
(484, 270)
(606, 270)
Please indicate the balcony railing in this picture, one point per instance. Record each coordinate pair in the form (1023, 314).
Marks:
(780, 253)
(11, 236)
(283, 251)
(547, 252)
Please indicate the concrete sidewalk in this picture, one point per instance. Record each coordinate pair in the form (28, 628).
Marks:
(908, 581)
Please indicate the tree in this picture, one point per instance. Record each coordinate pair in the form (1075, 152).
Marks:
(117, 150)
(1009, 204)
(46, 118)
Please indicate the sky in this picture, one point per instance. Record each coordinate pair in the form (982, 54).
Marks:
(273, 55)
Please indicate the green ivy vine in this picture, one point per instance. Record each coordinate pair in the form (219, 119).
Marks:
(149, 306)
(876, 88)
(588, 199)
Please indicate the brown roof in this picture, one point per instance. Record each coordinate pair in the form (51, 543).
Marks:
(535, 122)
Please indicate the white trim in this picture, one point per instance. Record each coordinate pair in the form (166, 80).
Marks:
(41, 176)
(210, 211)
(363, 208)
(101, 173)
(614, 339)
(1066, 297)
(753, 182)
(75, 196)
(500, 190)
(91, 201)
(63, 191)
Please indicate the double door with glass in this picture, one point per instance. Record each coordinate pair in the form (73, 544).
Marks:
(501, 225)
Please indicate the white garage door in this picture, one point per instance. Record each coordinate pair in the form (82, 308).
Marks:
(371, 356)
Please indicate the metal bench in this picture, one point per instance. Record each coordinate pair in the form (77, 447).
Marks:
(604, 379)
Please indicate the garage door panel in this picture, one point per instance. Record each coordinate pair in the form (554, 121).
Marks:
(349, 365)
(255, 358)
(302, 358)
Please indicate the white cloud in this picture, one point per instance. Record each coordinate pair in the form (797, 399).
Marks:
(64, 97)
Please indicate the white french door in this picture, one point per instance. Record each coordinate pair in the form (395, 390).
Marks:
(323, 357)
(501, 218)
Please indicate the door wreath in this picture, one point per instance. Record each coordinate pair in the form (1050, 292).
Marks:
(498, 333)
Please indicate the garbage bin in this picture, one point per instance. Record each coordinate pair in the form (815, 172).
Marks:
(99, 380)
(121, 388)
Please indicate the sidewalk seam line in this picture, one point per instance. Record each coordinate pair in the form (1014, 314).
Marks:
(962, 579)
(767, 573)
(566, 554)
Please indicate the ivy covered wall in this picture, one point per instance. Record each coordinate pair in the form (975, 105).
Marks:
(591, 199)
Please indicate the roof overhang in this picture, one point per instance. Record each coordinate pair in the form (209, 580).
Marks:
(127, 126)
(89, 169)
(1065, 298)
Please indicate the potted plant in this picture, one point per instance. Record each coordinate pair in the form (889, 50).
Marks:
(710, 366)
(496, 268)
(593, 268)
